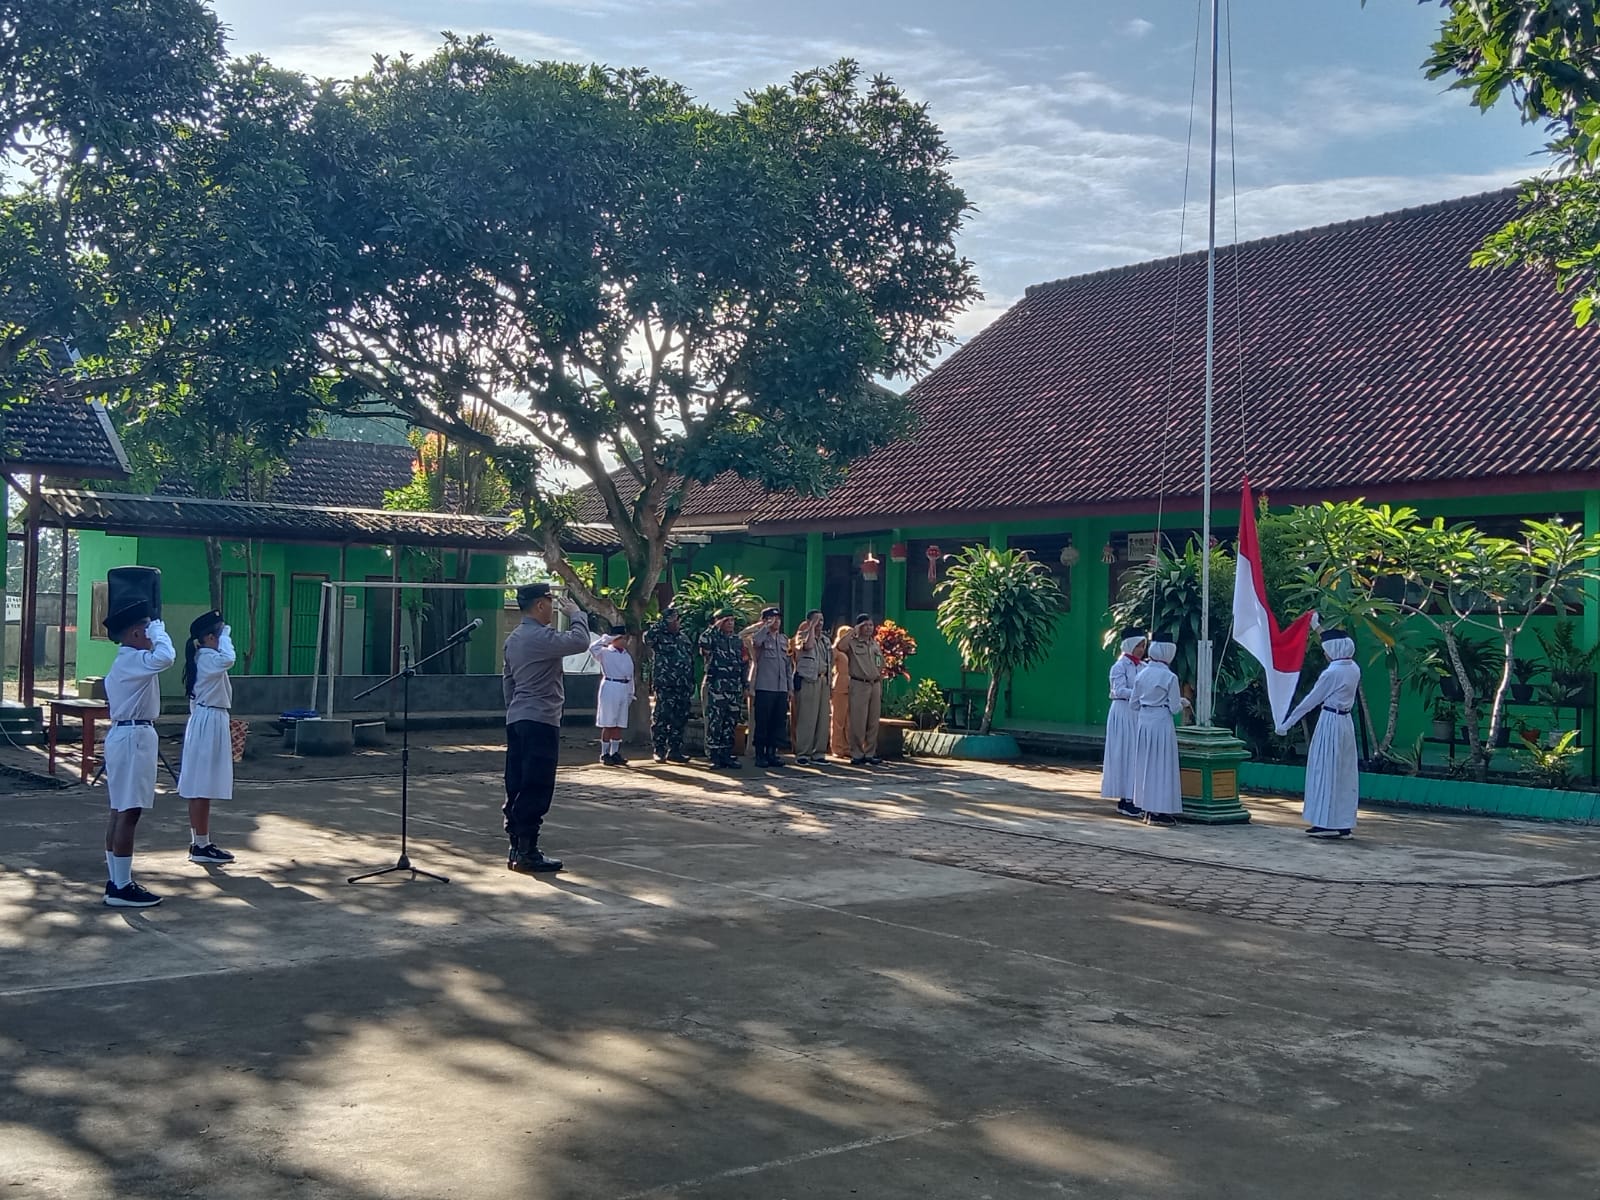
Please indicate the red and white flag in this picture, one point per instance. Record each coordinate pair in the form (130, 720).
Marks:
(1281, 652)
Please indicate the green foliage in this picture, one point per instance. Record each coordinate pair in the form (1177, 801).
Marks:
(1546, 57)
(702, 595)
(1554, 765)
(451, 477)
(999, 611)
(1164, 596)
(924, 704)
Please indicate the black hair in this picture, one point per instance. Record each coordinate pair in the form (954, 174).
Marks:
(191, 648)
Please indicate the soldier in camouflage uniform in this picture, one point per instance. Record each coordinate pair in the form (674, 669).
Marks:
(672, 680)
(723, 651)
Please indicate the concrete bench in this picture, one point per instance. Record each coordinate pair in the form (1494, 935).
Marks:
(371, 733)
(326, 736)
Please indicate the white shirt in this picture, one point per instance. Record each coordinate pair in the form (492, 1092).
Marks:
(133, 684)
(1155, 686)
(1335, 688)
(212, 687)
(616, 664)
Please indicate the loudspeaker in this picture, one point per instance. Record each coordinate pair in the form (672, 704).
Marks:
(127, 586)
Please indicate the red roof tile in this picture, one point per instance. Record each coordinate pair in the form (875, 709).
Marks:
(1375, 360)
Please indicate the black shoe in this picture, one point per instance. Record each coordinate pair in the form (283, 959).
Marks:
(131, 896)
(525, 859)
(776, 762)
(1327, 835)
(660, 758)
(1127, 808)
(678, 758)
(209, 854)
(858, 762)
(874, 761)
(617, 760)
(1162, 819)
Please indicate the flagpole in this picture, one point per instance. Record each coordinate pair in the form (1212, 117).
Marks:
(1203, 651)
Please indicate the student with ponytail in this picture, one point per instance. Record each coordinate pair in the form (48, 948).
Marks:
(207, 772)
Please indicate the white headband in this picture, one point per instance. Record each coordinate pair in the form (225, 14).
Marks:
(1163, 652)
(1339, 648)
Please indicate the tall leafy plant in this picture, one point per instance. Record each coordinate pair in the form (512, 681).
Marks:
(705, 593)
(1164, 596)
(999, 611)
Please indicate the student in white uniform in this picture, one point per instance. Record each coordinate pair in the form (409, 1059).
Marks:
(616, 692)
(1118, 769)
(133, 694)
(1157, 788)
(1333, 782)
(207, 771)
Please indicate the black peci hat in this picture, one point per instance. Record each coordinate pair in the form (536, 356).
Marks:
(863, 618)
(1334, 635)
(617, 630)
(118, 623)
(771, 611)
(1132, 631)
(530, 593)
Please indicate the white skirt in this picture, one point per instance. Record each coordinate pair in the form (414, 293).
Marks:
(1157, 786)
(131, 752)
(207, 770)
(611, 709)
(1333, 780)
(1117, 772)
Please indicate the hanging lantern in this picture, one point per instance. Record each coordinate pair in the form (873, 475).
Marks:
(1069, 556)
(897, 552)
(1109, 554)
(869, 566)
(934, 555)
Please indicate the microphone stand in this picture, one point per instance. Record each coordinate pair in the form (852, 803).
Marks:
(404, 674)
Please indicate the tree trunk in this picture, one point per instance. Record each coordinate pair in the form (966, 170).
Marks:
(252, 592)
(1394, 706)
(989, 702)
(214, 571)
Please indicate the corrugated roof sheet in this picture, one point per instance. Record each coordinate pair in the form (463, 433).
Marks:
(181, 516)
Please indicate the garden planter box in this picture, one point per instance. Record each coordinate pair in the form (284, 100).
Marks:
(892, 737)
(1447, 795)
(985, 747)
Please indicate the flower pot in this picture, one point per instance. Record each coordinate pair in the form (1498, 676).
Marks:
(1521, 693)
(1442, 729)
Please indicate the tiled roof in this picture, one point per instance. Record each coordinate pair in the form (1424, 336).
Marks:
(182, 516)
(324, 471)
(726, 498)
(1376, 361)
(328, 472)
(66, 438)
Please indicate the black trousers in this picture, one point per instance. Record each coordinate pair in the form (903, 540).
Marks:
(772, 716)
(532, 748)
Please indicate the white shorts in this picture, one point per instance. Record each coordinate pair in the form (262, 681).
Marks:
(132, 753)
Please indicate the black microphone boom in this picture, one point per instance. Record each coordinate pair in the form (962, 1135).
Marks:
(465, 631)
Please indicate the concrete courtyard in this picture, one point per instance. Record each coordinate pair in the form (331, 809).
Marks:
(928, 981)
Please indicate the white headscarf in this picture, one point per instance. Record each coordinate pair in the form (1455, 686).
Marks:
(1130, 644)
(1336, 648)
(1163, 652)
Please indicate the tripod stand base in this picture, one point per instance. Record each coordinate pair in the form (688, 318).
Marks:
(403, 865)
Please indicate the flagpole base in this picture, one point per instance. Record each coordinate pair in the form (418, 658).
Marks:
(1208, 765)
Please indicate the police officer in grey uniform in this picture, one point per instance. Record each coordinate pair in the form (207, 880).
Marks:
(535, 693)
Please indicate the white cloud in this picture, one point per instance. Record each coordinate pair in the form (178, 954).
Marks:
(1138, 27)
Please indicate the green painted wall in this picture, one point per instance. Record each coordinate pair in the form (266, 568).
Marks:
(1069, 686)
(186, 593)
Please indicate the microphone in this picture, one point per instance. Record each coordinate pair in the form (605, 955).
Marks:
(465, 631)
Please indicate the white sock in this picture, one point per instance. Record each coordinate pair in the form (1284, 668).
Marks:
(111, 865)
(121, 870)
(196, 838)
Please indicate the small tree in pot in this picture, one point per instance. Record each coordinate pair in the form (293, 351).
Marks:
(999, 611)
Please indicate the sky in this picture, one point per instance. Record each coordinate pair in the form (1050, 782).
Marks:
(1069, 119)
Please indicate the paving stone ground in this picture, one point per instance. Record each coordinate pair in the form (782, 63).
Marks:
(1550, 925)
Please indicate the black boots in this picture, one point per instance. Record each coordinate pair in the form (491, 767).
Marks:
(524, 858)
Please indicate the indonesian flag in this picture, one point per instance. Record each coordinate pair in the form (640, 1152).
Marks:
(1281, 652)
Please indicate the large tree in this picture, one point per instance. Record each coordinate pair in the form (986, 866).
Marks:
(644, 290)
(1544, 56)
(91, 93)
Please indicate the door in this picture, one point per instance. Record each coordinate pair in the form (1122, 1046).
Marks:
(305, 603)
(255, 657)
(845, 593)
(379, 626)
